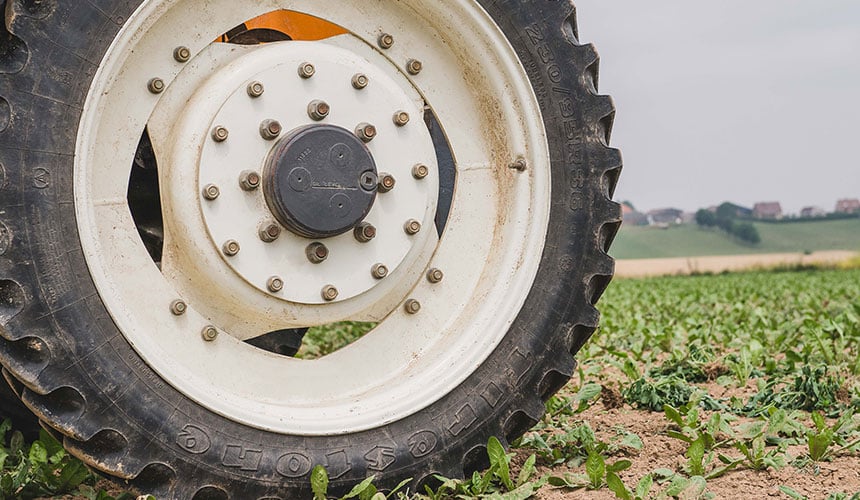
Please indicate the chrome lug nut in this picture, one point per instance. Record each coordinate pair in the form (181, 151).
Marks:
(412, 306)
(178, 307)
(360, 81)
(269, 232)
(307, 70)
(220, 134)
(182, 54)
(256, 89)
(364, 232)
(249, 180)
(329, 293)
(209, 333)
(366, 132)
(386, 182)
(156, 85)
(211, 192)
(275, 284)
(379, 271)
(412, 227)
(317, 253)
(318, 110)
(414, 66)
(270, 129)
(231, 248)
(386, 41)
(401, 118)
(420, 171)
(435, 275)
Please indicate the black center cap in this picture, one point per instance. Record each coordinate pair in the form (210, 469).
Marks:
(320, 181)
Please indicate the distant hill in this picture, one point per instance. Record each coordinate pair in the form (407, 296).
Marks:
(689, 240)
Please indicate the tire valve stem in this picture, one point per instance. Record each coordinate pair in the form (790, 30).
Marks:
(435, 275)
(182, 54)
(412, 227)
(520, 165)
(360, 81)
(329, 293)
(231, 248)
(178, 307)
(220, 134)
(275, 284)
(317, 253)
(209, 333)
(156, 86)
(318, 110)
(412, 306)
(379, 271)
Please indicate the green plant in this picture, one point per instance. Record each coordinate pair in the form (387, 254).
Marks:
(365, 490)
(822, 437)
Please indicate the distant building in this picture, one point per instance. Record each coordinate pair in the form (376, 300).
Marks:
(812, 212)
(730, 210)
(631, 217)
(767, 210)
(848, 206)
(664, 216)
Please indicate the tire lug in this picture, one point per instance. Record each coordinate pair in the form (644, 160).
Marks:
(360, 81)
(386, 182)
(420, 171)
(178, 307)
(255, 89)
(520, 165)
(231, 248)
(412, 227)
(182, 54)
(379, 271)
(366, 132)
(364, 232)
(270, 129)
(412, 306)
(435, 275)
(220, 134)
(329, 293)
(307, 70)
(269, 232)
(317, 253)
(211, 192)
(401, 118)
(386, 41)
(318, 110)
(156, 85)
(414, 66)
(275, 284)
(249, 180)
(209, 333)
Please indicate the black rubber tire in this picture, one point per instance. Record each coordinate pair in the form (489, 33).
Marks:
(75, 370)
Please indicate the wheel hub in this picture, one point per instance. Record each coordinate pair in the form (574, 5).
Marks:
(320, 181)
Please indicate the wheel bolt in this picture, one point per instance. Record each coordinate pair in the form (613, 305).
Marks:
(519, 165)
(209, 333)
(386, 41)
(249, 180)
(412, 306)
(256, 89)
(435, 275)
(365, 131)
(360, 81)
(379, 271)
(364, 232)
(231, 248)
(412, 227)
(401, 118)
(178, 307)
(317, 253)
(420, 171)
(386, 182)
(211, 192)
(329, 293)
(156, 85)
(414, 66)
(220, 134)
(318, 110)
(269, 232)
(275, 284)
(182, 54)
(270, 129)
(307, 70)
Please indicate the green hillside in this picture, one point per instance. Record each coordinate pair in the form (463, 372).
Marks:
(690, 241)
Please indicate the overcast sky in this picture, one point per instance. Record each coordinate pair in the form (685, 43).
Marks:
(741, 100)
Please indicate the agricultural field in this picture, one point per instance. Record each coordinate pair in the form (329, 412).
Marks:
(731, 386)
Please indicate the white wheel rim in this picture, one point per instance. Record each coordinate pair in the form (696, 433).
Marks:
(490, 250)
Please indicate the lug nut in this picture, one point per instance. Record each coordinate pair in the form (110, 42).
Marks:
(178, 307)
(360, 81)
(231, 248)
(412, 227)
(401, 118)
(329, 293)
(414, 66)
(435, 275)
(365, 131)
(209, 333)
(364, 232)
(420, 171)
(317, 253)
(318, 110)
(211, 192)
(386, 41)
(182, 54)
(256, 89)
(270, 129)
(269, 232)
(519, 165)
(220, 134)
(412, 306)
(249, 180)
(386, 182)
(156, 85)
(275, 284)
(307, 70)
(379, 271)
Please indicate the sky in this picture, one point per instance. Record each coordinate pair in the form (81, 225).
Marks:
(736, 100)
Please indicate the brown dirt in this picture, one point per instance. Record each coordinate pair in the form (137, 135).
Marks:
(640, 268)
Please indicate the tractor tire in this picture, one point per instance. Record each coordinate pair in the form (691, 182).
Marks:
(133, 344)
